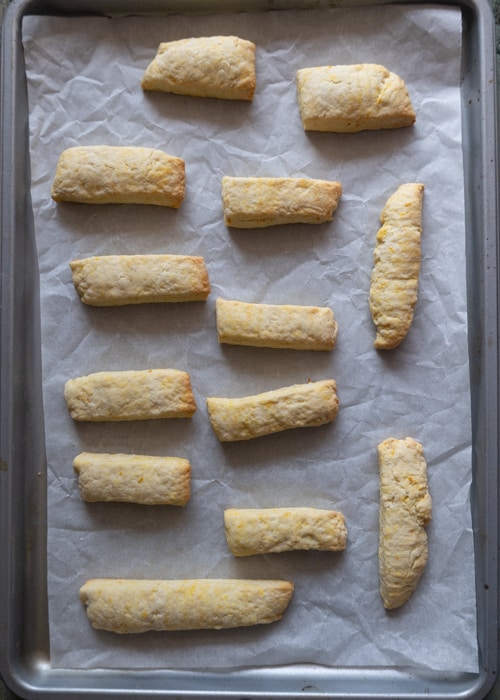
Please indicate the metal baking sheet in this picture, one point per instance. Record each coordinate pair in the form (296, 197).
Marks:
(27, 657)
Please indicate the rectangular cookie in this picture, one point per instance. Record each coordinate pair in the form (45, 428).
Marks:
(130, 395)
(130, 478)
(269, 530)
(116, 280)
(256, 202)
(351, 98)
(129, 606)
(119, 175)
(215, 66)
(296, 406)
(405, 511)
(396, 266)
(276, 326)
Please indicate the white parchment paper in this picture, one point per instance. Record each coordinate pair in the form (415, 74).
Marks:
(84, 88)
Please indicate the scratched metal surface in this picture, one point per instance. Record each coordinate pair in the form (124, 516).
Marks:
(5, 693)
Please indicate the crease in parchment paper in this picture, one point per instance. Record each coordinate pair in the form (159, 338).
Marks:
(84, 89)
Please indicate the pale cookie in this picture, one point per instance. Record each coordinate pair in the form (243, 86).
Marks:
(268, 530)
(350, 98)
(215, 66)
(296, 406)
(256, 202)
(394, 279)
(119, 175)
(116, 280)
(130, 395)
(405, 510)
(131, 606)
(133, 478)
(276, 326)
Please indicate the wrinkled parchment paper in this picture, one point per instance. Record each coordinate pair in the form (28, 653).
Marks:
(84, 88)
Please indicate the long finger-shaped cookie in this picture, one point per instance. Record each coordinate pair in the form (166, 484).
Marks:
(256, 202)
(133, 605)
(296, 406)
(130, 395)
(350, 98)
(119, 175)
(394, 279)
(276, 326)
(215, 66)
(405, 510)
(130, 478)
(268, 530)
(116, 280)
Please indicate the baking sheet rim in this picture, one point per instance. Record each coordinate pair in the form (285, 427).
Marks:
(37, 661)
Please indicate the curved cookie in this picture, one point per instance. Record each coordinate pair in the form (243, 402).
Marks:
(394, 279)
(132, 605)
(405, 510)
(296, 406)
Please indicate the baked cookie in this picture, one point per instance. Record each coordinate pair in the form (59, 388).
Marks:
(257, 202)
(119, 175)
(394, 279)
(268, 530)
(296, 406)
(133, 478)
(276, 326)
(116, 280)
(133, 605)
(405, 510)
(215, 66)
(130, 395)
(350, 98)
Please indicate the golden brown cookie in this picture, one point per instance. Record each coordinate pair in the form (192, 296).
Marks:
(116, 280)
(119, 175)
(130, 478)
(296, 406)
(268, 530)
(405, 511)
(256, 202)
(130, 395)
(276, 326)
(131, 606)
(394, 279)
(215, 66)
(350, 98)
